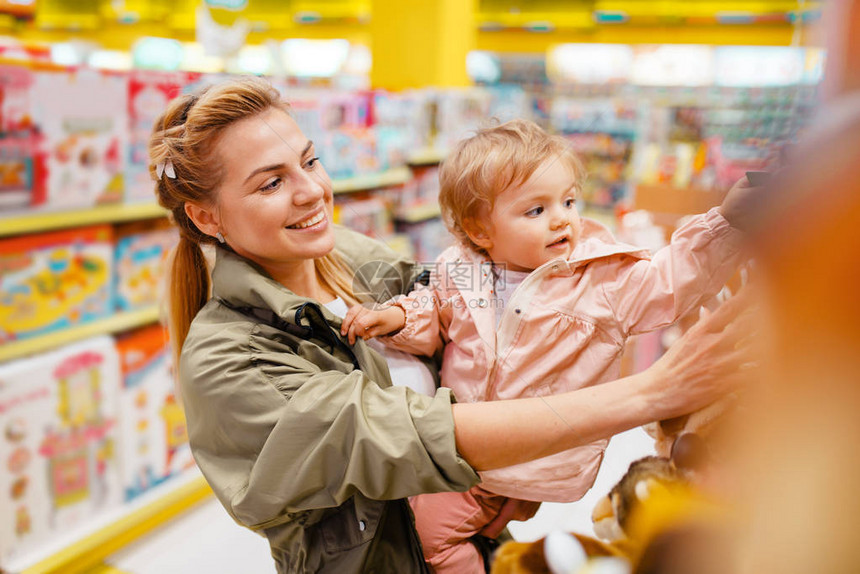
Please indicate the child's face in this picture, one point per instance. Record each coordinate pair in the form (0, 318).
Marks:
(536, 222)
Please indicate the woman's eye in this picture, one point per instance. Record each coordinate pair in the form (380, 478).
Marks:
(272, 185)
(312, 163)
(534, 212)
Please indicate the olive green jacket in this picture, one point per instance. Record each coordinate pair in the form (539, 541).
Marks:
(302, 437)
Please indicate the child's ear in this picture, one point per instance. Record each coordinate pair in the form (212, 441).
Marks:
(477, 232)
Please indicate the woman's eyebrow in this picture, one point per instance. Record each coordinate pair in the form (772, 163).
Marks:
(277, 166)
(273, 167)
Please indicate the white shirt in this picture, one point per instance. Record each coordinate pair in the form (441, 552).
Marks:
(406, 370)
(504, 285)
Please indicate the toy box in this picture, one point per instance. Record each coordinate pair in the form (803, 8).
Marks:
(84, 118)
(149, 93)
(370, 216)
(22, 162)
(152, 433)
(55, 280)
(141, 262)
(57, 447)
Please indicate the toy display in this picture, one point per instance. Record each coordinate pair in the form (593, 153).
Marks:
(84, 119)
(22, 161)
(140, 263)
(429, 238)
(153, 440)
(58, 444)
(148, 94)
(55, 280)
(370, 216)
(337, 123)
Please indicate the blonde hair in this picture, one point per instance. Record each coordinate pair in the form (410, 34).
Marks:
(186, 135)
(481, 167)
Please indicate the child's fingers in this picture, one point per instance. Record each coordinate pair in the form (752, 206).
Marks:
(351, 334)
(349, 318)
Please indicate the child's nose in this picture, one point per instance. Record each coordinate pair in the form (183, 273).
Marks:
(559, 219)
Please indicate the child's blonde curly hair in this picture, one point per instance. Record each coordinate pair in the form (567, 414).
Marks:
(481, 167)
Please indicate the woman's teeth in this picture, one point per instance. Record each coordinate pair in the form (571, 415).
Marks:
(308, 222)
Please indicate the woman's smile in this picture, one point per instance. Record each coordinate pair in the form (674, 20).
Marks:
(311, 223)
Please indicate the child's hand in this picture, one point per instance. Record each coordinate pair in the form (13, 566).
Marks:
(741, 205)
(366, 323)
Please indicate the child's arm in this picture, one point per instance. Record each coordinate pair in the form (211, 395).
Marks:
(703, 254)
(366, 323)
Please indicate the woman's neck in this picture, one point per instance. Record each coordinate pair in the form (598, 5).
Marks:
(304, 281)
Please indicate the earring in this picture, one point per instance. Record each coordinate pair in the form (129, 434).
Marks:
(219, 237)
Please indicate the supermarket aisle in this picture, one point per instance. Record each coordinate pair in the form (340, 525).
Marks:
(205, 539)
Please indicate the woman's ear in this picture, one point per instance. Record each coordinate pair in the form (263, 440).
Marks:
(205, 218)
(478, 233)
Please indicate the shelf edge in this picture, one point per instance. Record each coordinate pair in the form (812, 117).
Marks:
(117, 322)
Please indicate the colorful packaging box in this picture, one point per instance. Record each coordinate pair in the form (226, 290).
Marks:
(152, 432)
(57, 445)
(148, 95)
(141, 262)
(55, 280)
(22, 159)
(84, 118)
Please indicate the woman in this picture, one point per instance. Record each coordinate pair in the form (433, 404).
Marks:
(302, 436)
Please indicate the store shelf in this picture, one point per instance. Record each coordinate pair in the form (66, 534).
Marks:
(386, 178)
(420, 213)
(34, 222)
(114, 324)
(426, 156)
(87, 551)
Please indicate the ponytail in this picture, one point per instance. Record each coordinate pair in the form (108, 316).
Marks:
(188, 290)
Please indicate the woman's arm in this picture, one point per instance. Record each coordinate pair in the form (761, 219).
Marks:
(701, 367)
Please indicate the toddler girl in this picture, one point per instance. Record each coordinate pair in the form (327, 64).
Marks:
(533, 301)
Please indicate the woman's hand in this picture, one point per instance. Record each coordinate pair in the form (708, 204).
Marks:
(710, 360)
(366, 323)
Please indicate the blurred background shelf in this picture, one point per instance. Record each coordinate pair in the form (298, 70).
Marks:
(34, 222)
(386, 178)
(91, 546)
(426, 156)
(419, 213)
(114, 324)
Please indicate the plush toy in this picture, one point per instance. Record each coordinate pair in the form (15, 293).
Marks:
(702, 424)
(559, 553)
(647, 519)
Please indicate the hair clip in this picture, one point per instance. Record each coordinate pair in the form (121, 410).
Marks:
(165, 167)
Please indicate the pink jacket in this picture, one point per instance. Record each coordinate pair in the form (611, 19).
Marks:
(563, 329)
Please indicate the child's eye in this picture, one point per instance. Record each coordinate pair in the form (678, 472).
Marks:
(272, 185)
(534, 212)
(570, 203)
(312, 163)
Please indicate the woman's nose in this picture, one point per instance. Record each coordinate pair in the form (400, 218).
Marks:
(310, 187)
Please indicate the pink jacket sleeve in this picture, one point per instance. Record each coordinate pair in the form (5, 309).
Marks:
(428, 315)
(649, 294)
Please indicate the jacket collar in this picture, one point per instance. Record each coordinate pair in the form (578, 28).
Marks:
(241, 283)
(597, 242)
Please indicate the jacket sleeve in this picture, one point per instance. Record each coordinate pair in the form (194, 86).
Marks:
(276, 435)
(424, 332)
(649, 294)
